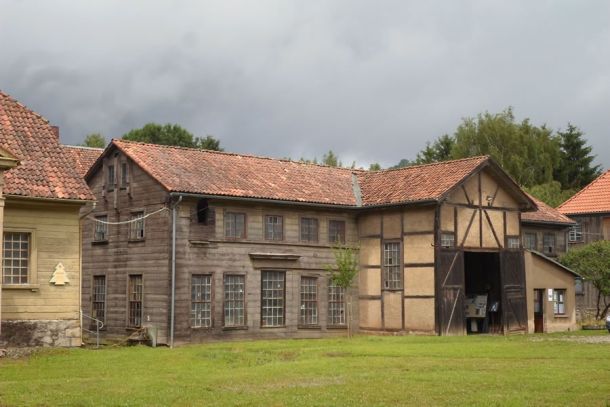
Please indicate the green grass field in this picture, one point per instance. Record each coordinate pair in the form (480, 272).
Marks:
(558, 369)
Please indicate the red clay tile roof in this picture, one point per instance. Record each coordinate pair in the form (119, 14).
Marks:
(594, 198)
(44, 171)
(181, 169)
(82, 157)
(205, 172)
(545, 214)
(416, 183)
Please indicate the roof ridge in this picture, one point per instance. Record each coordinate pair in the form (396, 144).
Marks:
(83, 147)
(583, 190)
(432, 164)
(237, 155)
(12, 99)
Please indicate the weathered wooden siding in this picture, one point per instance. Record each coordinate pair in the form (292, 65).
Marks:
(119, 257)
(559, 232)
(201, 250)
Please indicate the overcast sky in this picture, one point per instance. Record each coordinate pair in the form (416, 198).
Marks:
(373, 81)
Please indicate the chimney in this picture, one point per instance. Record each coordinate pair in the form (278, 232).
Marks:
(55, 130)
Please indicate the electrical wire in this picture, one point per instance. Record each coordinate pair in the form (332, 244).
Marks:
(131, 220)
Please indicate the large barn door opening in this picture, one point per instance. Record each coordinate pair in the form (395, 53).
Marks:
(450, 285)
(513, 291)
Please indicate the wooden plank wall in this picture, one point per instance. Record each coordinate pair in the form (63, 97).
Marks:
(203, 251)
(120, 257)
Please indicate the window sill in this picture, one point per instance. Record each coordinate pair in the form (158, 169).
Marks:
(135, 240)
(202, 328)
(235, 328)
(336, 327)
(30, 287)
(560, 316)
(309, 327)
(272, 327)
(99, 242)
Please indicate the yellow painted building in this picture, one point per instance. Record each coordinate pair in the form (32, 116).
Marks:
(41, 197)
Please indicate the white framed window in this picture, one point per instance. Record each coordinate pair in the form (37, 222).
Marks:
(575, 233)
(529, 240)
(548, 241)
(513, 242)
(336, 305)
(136, 226)
(392, 266)
(234, 300)
(100, 231)
(274, 227)
(235, 225)
(273, 298)
(309, 230)
(559, 301)
(201, 300)
(447, 239)
(17, 259)
(309, 301)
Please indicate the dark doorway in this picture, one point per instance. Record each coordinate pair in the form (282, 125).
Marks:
(538, 311)
(483, 292)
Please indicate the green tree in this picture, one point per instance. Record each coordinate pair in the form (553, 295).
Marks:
(94, 140)
(528, 153)
(593, 262)
(331, 159)
(343, 273)
(170, 135)
(575, 169)
(208, 143)
(551, 193)
(440, 150)
(403, 163)
(375, 167)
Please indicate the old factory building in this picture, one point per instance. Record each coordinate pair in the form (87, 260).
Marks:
(200, 244)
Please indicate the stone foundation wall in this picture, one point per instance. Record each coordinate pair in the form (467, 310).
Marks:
(59, 333)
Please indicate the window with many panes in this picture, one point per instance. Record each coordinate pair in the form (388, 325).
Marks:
(513, 242)
(309, 301)
(336, 231)
(575, 233)
(110, 180)
(124, 175)
(235, 225)
(447, 239)
(234, 304)
(392, 266)
(136, 226)
(548, 242)
(134, 306)
(529, 241)
(336, 304)
(273, 294)
(98, 299)
(201, 301)
(309, 230)
(16, 257)
(100, 232)
(559, 301)
(274, 227)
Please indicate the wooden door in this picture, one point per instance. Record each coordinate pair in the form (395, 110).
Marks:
(451, 291)
(512, 277)
(538, 311)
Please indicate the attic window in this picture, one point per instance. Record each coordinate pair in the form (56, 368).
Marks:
(447, 239)
(575, 233)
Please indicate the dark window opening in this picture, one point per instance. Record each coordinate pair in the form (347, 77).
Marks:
(203, 211)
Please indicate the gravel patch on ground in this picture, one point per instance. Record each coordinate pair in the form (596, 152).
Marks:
(17, 353)
(595, 339)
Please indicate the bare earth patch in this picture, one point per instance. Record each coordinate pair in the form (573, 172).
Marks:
(17, 353)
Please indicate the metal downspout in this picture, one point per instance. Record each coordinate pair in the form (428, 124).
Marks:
(173, 301)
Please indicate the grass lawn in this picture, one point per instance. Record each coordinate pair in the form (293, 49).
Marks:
(537, 370)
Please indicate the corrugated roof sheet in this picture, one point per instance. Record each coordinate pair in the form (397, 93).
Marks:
(44, 171)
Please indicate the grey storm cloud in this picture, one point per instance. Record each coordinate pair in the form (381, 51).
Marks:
(373, 81)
